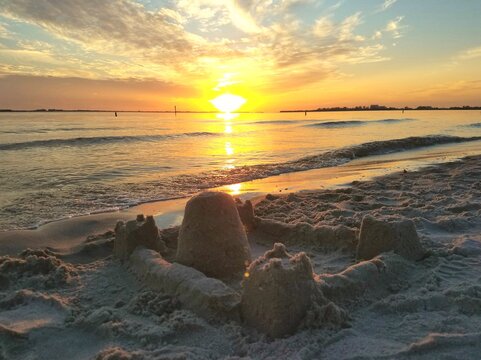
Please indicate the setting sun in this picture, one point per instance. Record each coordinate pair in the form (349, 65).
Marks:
(228, 103)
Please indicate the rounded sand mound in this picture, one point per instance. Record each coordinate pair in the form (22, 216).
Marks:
(212, 238)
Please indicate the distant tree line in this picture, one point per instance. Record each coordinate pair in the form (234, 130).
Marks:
(385, 108)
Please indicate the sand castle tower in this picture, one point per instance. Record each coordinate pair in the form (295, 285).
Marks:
(212, 238)
(383, 235)
(278, 291)
(141, 231)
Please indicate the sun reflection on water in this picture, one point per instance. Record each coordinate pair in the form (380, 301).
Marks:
(229, 150)
(227, 104)
(229, 164)
(227, 116)
(234, 189)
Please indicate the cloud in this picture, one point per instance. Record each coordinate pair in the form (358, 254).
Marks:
(240, 15)
(347, 27)
(191, 41)
(464, 90)
(377, 35)
(468, 54)
(4, 33)
(323, 27)
(206, 15)
(116, 25)
(387, 4)
(395, 27)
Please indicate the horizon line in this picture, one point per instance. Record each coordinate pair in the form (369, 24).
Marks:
(324, 109)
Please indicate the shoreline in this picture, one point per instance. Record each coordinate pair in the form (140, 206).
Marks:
(64, 234)
(104, 308)
(34, 205)
(471, 108)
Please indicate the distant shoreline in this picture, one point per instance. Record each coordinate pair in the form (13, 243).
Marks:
(124, 111)
(384, 108)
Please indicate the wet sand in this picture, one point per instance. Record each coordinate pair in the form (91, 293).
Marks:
(64, 234)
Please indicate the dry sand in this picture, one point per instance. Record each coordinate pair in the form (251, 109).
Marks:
(86, 304)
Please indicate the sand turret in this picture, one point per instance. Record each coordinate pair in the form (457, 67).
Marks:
(280, 294)
(383, 235)
(142, 231)
(212, 238)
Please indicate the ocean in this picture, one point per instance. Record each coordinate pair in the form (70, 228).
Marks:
(55, 165)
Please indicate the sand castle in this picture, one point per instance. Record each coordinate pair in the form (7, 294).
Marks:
(381, 235)
(246, 214)
(212, 238)
(279, 292)
(139, 232)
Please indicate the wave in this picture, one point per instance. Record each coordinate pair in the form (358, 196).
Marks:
(57, 129)
(349, 123)
(474, 125)
(346, 154)
(394, 120)
(395, 145)
(334, 124)
(185, 185)
(96, 140)
(276, 121)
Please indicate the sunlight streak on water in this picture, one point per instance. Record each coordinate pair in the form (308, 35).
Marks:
(229, 150)
(234, 189)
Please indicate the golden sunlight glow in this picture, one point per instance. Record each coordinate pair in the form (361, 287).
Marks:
(228, 103)
(228, 149)
(234, 189)
(227, 116)
(229, 164)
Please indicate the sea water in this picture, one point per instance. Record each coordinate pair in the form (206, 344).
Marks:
(61, 164)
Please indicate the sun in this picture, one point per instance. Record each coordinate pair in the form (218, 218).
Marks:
(228, 103)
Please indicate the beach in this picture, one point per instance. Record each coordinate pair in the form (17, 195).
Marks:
(240, 180)
(76, 300)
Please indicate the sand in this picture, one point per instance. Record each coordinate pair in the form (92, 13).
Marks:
(85, 304)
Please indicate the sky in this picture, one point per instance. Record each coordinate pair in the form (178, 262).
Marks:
(291, 54)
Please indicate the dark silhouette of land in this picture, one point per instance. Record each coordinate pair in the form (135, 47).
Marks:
(127, 111)
(111, 111)
(384, 108)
